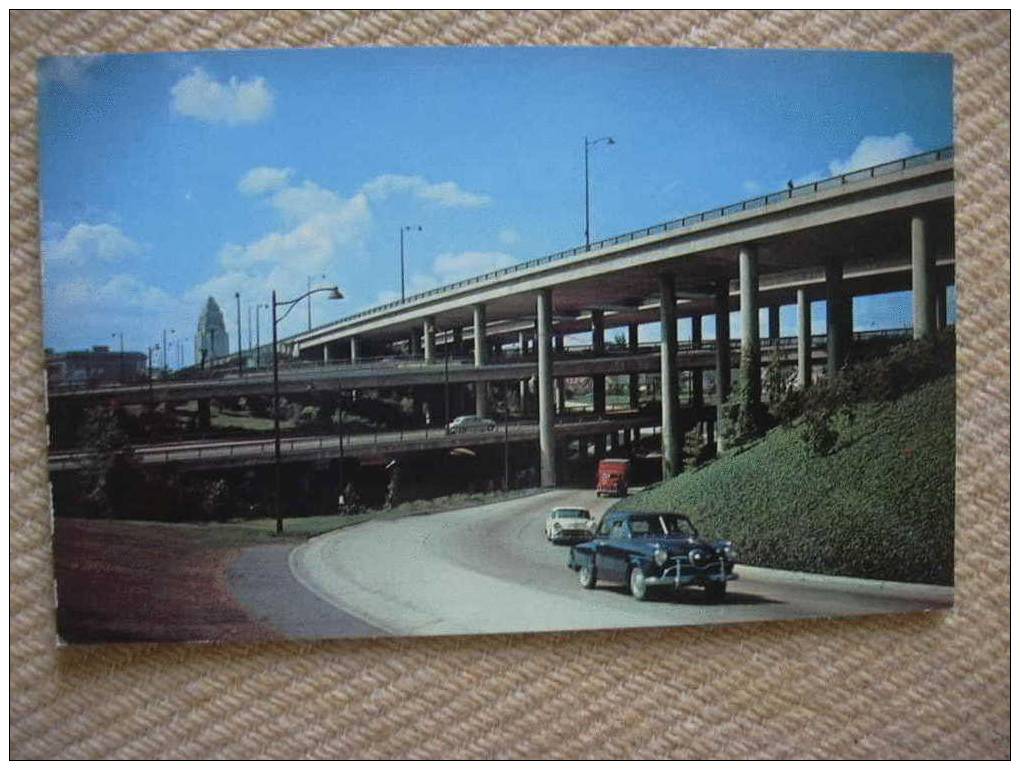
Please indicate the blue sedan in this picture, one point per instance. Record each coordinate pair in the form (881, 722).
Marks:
(646, 550)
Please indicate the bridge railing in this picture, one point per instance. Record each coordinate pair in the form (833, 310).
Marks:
(750, 204)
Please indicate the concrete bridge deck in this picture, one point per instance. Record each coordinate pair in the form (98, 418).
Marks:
(255, 451)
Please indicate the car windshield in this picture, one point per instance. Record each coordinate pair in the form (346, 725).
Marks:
(661, 525)
(572, 513)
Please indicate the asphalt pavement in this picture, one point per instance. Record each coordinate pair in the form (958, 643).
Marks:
(489, 569)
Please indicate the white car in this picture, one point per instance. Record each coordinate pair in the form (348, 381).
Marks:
(471, 423)
(569, 523)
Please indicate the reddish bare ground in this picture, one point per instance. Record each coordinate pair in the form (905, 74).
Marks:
(128, 581)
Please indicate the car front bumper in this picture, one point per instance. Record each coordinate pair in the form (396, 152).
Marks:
(570, 533)
(677, 576)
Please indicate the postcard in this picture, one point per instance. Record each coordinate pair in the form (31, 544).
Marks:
(422, 341)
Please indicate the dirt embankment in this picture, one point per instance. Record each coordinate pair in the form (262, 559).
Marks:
(128, 581)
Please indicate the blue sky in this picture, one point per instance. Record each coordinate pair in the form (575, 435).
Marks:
(167, 178)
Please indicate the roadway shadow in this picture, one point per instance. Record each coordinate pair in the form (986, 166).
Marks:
(695, 597)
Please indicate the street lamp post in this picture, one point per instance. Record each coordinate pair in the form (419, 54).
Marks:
(334, 294)
(120, 363)
(240, 348)
(403, 230)
(587, 189)
(506, 447)
(258, 338)
(309, 287)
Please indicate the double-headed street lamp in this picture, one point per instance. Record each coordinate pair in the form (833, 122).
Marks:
(587, 189)
(335, 295)
(404, 229)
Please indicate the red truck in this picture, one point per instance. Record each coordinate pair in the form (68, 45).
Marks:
(613, 477)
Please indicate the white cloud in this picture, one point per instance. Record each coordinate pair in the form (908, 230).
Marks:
(509, 236)
(259, 181)
(454, 267)
(236, 102)
(448, 194)
(87, 244)
(320, 221)
(874, 150)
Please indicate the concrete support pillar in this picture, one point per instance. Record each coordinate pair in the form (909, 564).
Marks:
(835, 317)
(325, 354)
(697, 387)
(696, 330)
(626, 438)
(803, 338)
(634, 388)
(522, 343)
(546, 413)
(600, 446)
(941, 302)
(430, 339)
(561, 395)
(598, 346)
(922, 279)
(457, 340)
(559, 342)
(414, 342)
(672, 442)
(722, 347)
(598, 332)
(632, 337)
(750, 346)
(204, 414)
(354, 349)
(481, 357)
(773, 323)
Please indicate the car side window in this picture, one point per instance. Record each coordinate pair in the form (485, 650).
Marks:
(618, 530)
(604, 527)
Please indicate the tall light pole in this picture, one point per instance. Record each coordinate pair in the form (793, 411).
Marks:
(335, 295)
(258, 337)
(120, 365)
(309, 289)
(172, 331)
(240, 348)
(404, 229)
(587, 188)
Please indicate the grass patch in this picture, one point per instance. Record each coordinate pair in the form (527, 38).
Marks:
(880, 506)
(261, 530)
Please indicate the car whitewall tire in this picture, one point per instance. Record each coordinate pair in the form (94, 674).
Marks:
(638, 588)
(586, 576)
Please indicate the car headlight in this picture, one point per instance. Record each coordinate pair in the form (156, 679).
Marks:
(660, 556)
(696, 557)
(556, 526)
(729, 551)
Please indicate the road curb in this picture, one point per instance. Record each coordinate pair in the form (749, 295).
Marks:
(907, 590)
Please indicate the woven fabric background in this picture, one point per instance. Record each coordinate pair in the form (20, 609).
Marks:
(904, 686)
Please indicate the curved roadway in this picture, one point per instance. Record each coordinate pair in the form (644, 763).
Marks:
(490, 569)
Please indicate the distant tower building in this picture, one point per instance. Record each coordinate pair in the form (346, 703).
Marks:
(211, 339)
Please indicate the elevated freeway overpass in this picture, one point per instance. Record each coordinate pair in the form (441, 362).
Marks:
(885, 228)
(208, 455)
(877, 230)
